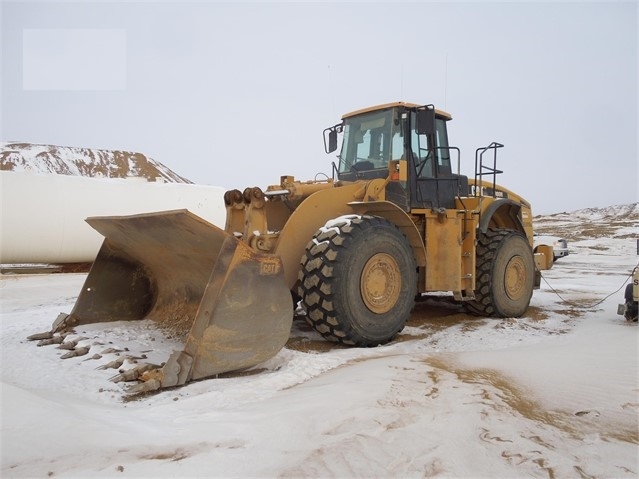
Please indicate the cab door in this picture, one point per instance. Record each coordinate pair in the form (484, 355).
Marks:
(434, 184)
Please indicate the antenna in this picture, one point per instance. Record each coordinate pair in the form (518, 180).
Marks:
(446, 81)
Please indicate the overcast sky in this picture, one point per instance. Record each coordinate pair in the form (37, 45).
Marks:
(237, 94)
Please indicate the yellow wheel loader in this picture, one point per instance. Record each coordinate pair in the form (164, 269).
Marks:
(397, 219)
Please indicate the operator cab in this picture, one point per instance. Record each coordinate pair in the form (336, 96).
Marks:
(374, 137)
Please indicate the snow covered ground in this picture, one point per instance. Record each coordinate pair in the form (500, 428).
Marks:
(554, 394)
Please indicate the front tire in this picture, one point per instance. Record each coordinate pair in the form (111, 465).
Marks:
(505, 275)
(358, 281)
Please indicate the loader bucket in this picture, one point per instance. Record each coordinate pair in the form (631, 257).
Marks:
(229, 303)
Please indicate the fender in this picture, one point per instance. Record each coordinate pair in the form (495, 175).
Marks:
(396, 215)
(308, 217)
(503, 213)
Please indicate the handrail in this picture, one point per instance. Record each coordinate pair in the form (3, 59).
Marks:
(483, 170)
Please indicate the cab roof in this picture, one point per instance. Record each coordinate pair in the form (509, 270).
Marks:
(440, 113)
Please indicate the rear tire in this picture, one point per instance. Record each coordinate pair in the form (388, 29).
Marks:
(505, 275)
(358, 281)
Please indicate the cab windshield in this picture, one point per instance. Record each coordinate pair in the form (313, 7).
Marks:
(370, 141)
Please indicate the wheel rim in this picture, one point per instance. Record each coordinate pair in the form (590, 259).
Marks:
(515, 277)
(380, 283)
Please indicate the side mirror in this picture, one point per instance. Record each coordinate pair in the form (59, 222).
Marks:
(426, 120)
(332, 141)
(331, 145)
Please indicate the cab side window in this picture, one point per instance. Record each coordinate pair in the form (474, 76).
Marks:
(442, 152)
(423, 152)
(422, 155)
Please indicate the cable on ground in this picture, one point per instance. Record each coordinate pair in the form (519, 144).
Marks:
(575, 305)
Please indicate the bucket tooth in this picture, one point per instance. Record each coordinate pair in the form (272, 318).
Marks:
(134, 373)
(40, 336)
(48, 342)
(111, 351)
(115, 364)
(75, 353)
(64, 322)
(68, 345)
(145, 387)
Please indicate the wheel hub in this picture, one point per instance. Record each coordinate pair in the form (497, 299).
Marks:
(380, 283)
(515, 278)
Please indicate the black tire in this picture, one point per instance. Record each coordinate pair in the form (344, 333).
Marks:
(505, 269)
(358, 281)
(627, 294)
(632, 307)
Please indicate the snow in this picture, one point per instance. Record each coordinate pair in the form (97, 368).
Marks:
(334, 225)
(552, 394)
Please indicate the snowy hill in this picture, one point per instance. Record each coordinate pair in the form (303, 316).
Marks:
(79, 183)
(74, 161)
(619, 221)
